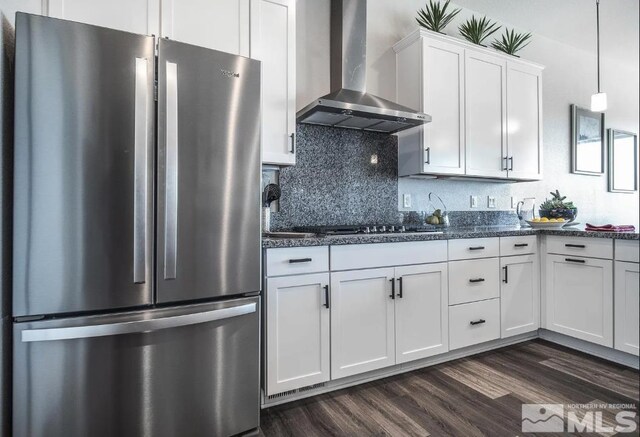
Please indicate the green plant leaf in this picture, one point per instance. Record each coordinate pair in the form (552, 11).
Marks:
(435, 17)
(511, 42)
(476, 31)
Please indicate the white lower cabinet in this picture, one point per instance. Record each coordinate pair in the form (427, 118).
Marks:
(519, 295)
(297, 334)
(627, 307)
(473, 323)
(387, 316)
(421, 314)
(362, 321)
(579, 297)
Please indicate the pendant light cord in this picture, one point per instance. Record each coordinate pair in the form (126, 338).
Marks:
(598, 39)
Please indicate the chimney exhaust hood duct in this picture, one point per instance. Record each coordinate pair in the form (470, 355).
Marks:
(349, 105)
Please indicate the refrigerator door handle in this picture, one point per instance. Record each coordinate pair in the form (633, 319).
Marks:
(171, 184)
(141, 189)
(110, 329)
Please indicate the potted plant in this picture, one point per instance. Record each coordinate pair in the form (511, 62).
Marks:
(512, 42)
(435, 16)
(557, 207)
(476, 31)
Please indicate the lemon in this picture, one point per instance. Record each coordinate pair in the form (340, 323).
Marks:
(544, 219)
(560, 220)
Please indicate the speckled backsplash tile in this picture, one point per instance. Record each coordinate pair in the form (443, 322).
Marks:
(336, 181)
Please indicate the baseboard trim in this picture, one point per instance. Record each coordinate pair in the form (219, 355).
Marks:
(400, 368)
(606, 353)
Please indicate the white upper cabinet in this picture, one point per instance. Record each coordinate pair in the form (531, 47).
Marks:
(273, 42)
(215, 24)
(437, 68)
(486, 110)
(524, 121)
(137, 16)
(485, 115)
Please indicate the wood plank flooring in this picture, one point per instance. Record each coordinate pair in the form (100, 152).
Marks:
(476, 396)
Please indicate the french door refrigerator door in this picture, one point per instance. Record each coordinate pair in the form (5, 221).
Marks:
(84, 160)
(187, 371)
(208, 242)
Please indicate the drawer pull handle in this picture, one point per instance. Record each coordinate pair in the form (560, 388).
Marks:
(506, 275)
(476, 248)
(573, 260)
(477, 322)
(326, 296)
(577, 246)
(300, 260)
(476, 280)
(521, 245)
(393, 288)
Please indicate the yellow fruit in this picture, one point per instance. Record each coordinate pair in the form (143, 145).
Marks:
(536, 219)
(544, 219)
(560, 220)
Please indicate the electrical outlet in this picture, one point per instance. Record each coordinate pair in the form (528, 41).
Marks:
(406, 200)
(491, 202)
(514, 202)
(474, 201)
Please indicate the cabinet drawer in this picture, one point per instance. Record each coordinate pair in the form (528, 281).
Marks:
(474, 248)
(472, 280)
(581, 246)
(297, 260)
(518, 245)
(628, 250)
(366, 256)
(473, 323)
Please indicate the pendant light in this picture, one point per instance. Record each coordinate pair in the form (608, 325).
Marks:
(599, 100)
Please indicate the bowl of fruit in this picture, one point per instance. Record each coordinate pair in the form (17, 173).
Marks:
(557, 207)
(547, 223)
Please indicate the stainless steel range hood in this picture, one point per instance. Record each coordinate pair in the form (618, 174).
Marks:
(349, 105)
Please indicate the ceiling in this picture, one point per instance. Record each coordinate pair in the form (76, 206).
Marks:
(571, 22)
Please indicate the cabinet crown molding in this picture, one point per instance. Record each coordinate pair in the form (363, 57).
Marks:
(425, 33)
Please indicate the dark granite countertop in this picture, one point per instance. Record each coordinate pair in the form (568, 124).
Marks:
(447, 234)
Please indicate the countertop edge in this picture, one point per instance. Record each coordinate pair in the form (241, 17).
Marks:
(453, 234)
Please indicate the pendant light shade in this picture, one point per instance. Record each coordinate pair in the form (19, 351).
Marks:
(598, 100)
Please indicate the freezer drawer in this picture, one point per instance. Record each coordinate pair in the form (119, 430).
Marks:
(181, 371)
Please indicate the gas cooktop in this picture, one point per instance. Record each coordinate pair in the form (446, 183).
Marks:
(364, 230)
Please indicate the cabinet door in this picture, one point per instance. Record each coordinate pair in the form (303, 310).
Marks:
(297, 340)
(421, 312)
(524, 121)
(485, 103)
(627, 304)
(519, 295)
(137, 16)
(443, 94)
(362, 337)
(273, 42)
(215, 24)
(579, 295)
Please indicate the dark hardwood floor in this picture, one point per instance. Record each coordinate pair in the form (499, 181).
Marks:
(476, 396)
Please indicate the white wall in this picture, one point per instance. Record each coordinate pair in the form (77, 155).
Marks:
(569, 77)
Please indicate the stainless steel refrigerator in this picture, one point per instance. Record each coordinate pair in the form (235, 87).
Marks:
(136, 235)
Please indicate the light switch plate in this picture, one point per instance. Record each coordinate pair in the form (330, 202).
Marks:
(514, 202)
(491, 202)
(474, 201)
(406, 200)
